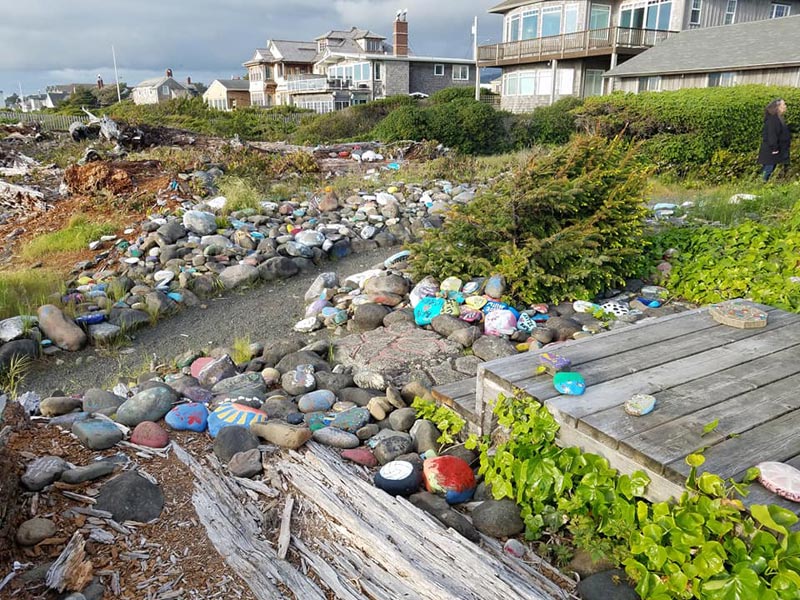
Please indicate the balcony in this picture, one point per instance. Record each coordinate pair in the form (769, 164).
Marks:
(594, 42)
(300, 84)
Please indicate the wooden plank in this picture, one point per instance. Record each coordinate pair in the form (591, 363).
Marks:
(452, 391)
(614, 424)
(617, 391)
(775, 440)
(678, 438)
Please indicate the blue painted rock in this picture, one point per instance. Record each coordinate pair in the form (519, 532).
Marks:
(495, 286)
(188, 417)
(554, 362)
(318, 401)
(97, 434)
(569, 384)
(396, 258)
(449, 476)
(317, 420)
(541, 318)
(493, 305)
(526, 323)
(640, 404)
(337, 438)
(398, 478)
(428, 308)
(149, 434)
(351, 420)
(230, 413)
(91, 318)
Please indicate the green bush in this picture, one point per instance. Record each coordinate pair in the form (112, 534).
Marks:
(454, 93)
(404, 123)
(553, 124)
(567, 226)
(684, 129)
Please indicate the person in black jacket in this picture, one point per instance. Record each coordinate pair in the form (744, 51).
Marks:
(775, 138)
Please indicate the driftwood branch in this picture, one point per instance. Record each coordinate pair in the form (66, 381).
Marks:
(286, 528)
(70, 571)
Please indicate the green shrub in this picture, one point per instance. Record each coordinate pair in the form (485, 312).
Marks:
(404, 123)
(75, 236)
(567, 226)
(470, 127)
(453, 93)
(553, 124)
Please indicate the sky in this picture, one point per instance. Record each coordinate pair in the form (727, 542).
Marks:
(47, 42)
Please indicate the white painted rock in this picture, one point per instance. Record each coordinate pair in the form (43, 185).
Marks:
(781, 479)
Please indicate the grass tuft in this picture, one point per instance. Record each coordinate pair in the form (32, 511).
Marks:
(22, 292)
(75, 236)
(240, 194)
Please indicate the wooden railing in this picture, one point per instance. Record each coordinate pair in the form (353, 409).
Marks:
(49, 122)
(593, 41)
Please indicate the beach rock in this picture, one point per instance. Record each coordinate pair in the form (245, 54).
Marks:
(563, 328)
(17, 348)
(608, 585)
(498, 518)
(379, 407)
(246, 464)
(449, 476)
(351, 420)
(97, 434)
(101, 333)
(489, 347)
(171, 231)
(299, 381)
(447, 325)
(42, 472)
(438, 507)
(320, 400)
(215, 371)
(33, 531)
(278, 267)
(369, 316)
(361, 456)
(232, 440)
(282, 434)
(388, 449)
(15, 328)
(387, 284)
(398, 478)
(201, 223)
(90, 472)
(337, 438)
(238, 275)
(148, 405)
(62, 331)
(131, 497)
(234, 414)
(149, 434)
(402, 419)
(246, 385)
(100, 401)
(279, 407)
(495, 286)
(291, 361)
(425, 435)
(59, 405)
(275, 350)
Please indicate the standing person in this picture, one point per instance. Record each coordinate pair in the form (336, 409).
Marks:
(775, 138)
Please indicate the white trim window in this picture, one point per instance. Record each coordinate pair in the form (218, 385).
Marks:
(165, 90)
(646, 14)
(730, 12)
(593, 83)
(377, 71)
(727, 79)
(460, 72)
(694, 14)
(777, 10)
(531, 23)
(649, 84)
(438, 70)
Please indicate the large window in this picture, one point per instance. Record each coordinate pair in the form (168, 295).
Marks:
(533, 23)
(530, 24)
(721, 79)
(460, 72)
(649, 84)
(551, 21)
(646, 14)
(600, 17)
(593, 83)
(538, 82)
(694, 14)
(779, 10)
(357, 72)
(513, 28)
(730, 12)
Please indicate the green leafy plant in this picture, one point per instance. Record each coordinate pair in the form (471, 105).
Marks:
(241, 349)
(446, 421)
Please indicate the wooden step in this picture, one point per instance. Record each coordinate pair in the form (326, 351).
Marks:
(460, 397)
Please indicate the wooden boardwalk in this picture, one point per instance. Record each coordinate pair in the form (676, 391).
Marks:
(698, 371)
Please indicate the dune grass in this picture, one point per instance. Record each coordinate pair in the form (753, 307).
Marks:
(75, 236)
(22, 292)
(240, 193)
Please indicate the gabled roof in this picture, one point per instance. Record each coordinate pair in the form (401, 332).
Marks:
(295, 52)
(56, 97)
(157, 82)
(508, 5)
(233, 84)
(752, 45)
(353, 34)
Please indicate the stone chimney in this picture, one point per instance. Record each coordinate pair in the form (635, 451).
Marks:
(401, 33)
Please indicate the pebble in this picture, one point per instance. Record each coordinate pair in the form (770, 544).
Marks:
(403, 419)
(246, 464)
(390, 448)
(33, 531)
(337, 438)
(320, 400)
(361, 456)
(498, 518)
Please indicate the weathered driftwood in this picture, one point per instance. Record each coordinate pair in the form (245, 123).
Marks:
(70, 571)
(394, 549)
(233, 526)
(286, 528)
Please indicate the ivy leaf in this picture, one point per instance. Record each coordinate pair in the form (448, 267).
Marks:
(774, 517)
(744, 584)
(709, 427)
(695, 460)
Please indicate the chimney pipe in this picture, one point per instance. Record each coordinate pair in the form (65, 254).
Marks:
(401, 33)
(189, 80)
(169, 72)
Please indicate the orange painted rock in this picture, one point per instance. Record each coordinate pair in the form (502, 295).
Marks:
(449, 476)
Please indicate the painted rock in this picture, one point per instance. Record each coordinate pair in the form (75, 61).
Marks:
(91, 318)
(451, 284)
(188, 417)
(351, 420)
(321, 400)
(554, 362)
(198, 365)
(476, 302)
(426, 288)
(781, 479)
(738, 313)
(473, 287)
(398, 478)
(540, 308)
(396, 258)
(526, 323)
(427, 308)
(361, 456)
(230, 413)
(449, 476)
(615, 308)
(451, 308)
(640, 404)
(582, 306)
(495, 286)
(149, 434)
(500, 322)
(470, 315)
(569, 384)
(317, 420)
(493, 305)
(541, 318)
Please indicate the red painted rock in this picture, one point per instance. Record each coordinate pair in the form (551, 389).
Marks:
(198, 365)
(362, 456)
(449, 476)
(149, 434)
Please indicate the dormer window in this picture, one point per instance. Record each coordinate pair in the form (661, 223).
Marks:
(321, 45)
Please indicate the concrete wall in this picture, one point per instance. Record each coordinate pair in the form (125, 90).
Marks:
(422, 78)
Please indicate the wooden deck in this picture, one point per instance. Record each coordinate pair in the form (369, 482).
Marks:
(697, 370)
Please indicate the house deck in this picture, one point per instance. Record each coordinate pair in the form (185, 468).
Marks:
(698, 371)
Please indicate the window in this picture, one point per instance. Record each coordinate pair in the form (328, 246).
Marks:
(378, 71)
(593, 83)
(600, 17)
(438, 70)
(460, 72)
(694, 15)
(649, 84)
(511, 84)
(566, 82)
(730, 12)
(513, 28)
(165, 90)
(779, 10)
(721, 79)
(527, 83)
(570, 18)
(551, 21)
(530, 24)
(646, 14)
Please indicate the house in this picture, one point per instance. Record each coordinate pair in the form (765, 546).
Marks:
(228, 94)
(55, 99)
(32, 103)
(342, 68)
(766, 52)
(557, 48)
(159, 89)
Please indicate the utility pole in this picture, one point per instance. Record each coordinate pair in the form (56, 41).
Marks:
(116, 74)
(475, 56)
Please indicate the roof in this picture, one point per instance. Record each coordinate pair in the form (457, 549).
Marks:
(233, 84)
(354, 33)
(770, 43)
(508, 5)
(392, 57)
(57, 96)
(295, 52)
(157, 82)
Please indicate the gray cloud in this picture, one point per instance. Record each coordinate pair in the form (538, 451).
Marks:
(52, 41)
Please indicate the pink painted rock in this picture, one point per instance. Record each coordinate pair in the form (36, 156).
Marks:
(362, 456)
(781, 479)
(149, 434)
(450, 477)
(198, 365)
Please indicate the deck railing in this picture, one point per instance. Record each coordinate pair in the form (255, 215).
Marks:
(323, 84)
(593, 41)
(48, 122)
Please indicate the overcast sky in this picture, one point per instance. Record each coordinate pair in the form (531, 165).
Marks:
(45, 42)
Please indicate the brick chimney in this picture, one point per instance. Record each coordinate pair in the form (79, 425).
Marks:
(189, 80)
(401, 33)
(169, 72)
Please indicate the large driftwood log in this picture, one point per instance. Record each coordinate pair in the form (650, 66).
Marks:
(233, 526)
(386, 548)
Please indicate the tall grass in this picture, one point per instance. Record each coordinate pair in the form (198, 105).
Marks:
(75, 236)
(771, 203)
(22, 292)
(240, 194)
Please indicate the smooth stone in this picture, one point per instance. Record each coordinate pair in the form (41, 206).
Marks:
(425, 435)
(495, 286)
(215, 371)
(14, 328)
(402, 419)
(246, 464)
(298, 382)
(608, 585)
(398, 478)
(569, 383)
(337, 438)
(498, 518)
(42, 472)
(489, 347)
(150, 435)
(188, 417)
(104, 332)
(198, 364)
(199, 222)
(388, 449)
(238, 275)
(379, 407)
(148, 405)
(247, 385)
(351, 420)
(368, 431)
(369, 316)
(100, 401)
(282, 434)
(449, 476)
(33, 531)
(357, 396)
(320, 400)
(90, 472)
(640, 404)
(279, 407)
(232, 440)
(438, 507)
(97, 434)
(68, 420)
(233, 413)
(17, 348)
(131, 497)
(62, 331)
(59, 405)
(295, 418)
(394, 397)
(361, 456)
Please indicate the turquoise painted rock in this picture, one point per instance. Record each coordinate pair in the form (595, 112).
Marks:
(449, 476)
(640, 404)
(317, 420)
(569, 384)
(351, 420)
(318, 401)
(230, 413)
(97, 434)
(188, 417)
(427, 309)
(526, 323)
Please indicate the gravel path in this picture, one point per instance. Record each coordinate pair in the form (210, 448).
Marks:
(265, 312)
